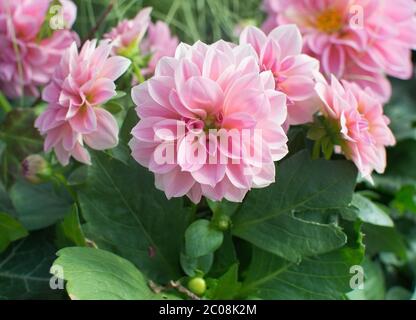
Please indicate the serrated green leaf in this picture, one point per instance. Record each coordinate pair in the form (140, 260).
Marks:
(94, 274)
(325, 276)
(266, 220)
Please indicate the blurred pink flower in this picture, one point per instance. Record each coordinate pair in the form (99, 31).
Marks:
(358, 40)
(294, 73)
(210, 123)
(82, 82)
(363, 128)
(128, 33)
(27, 57)
(159, 43)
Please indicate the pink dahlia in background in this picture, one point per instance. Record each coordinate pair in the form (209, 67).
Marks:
(358, 40)
(293, 72)
(127, 35)
(29, 54)
(362, 128)
(158, 43)
(81, 84)
(210, 123)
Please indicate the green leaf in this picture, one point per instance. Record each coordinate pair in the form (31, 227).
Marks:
(195, 266)
(374, 284)
(201, 239)
(69, 231)
(370, 212)
(10, 230)
(405, 199)
(398, 293)
(41, 205)
(78, 176)
(24, 269)
(384, 239)
(266, 220)
(325, 276)
(227, 285)
(125, 214)
(94, 274)
(5, 201)
(224, 258)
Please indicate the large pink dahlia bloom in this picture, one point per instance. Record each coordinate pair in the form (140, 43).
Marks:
(358, 40)
(28, 56)
(81, 84)
(294, 72)
(210, 123)
(362, 127)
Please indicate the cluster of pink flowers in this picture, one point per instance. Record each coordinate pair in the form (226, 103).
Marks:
(361, 41)
(203, 94)
(28, 57)
(80, 85)
(213, 118)
(363, 131)
(129, 39)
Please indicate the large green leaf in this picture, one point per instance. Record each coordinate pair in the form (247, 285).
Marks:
(266, 217)
(24, 269)
(94, 274)
(41, 205)
(125, 214)
(325, 276)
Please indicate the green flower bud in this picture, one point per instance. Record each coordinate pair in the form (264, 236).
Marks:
(35, 169)
(197, 285)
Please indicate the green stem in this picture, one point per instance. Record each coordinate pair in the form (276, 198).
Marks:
(138, 73)
(61, 179)
(4, 104)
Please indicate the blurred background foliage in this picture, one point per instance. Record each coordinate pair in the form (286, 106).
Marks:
(191, 20)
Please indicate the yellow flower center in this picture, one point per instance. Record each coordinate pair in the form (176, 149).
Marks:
(329, 21)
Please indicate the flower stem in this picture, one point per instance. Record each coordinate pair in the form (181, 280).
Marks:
(4, 104)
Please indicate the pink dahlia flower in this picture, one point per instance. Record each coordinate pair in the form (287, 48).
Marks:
(293, 72)
(210, 123)
(363, 128)
(358, 40)
(81, 84)
(159, 43)
(127, 34)
(28, 57)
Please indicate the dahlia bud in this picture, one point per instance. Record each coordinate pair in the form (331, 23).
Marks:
(35, 169)
(197, 285)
